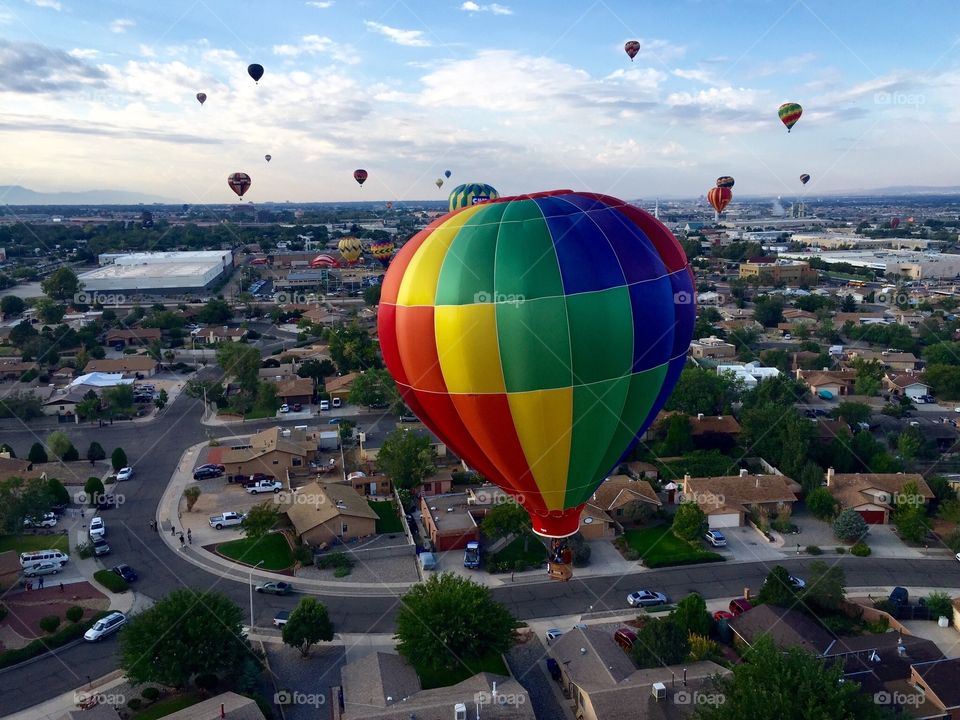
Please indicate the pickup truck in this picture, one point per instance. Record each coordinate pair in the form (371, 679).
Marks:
(280, 619)
(262, 486)
(226, 519)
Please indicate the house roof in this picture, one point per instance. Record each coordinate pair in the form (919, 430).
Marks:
(232, 705)
(275, 439)
(883, 356)
(633, 699)
(100, 380)
(888, 664)
(603, 665)
(369, 681)
(850, 489)
(134, 334)
(732, 491)
(943, 679)
(314, 504)
(827, 429)
(903, 380)
(221, 331)
(619, 490)
(128, 364)
(294, 386)
(786, 627)
(827, 377)
(714, 425)
(341, 382)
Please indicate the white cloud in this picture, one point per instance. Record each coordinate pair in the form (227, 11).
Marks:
(660, 51)
(84, 53)
(409, 38)
(702, 76)
(52, 4)
(318, 45)
(494, 8)
(121, 25)
(147, 51)
(718, 98)
(321, 5)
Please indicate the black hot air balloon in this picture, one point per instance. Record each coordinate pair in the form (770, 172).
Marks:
(255, 71)
(805, 178)
(360, 175)
(201, 98)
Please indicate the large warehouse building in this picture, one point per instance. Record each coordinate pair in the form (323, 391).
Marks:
(909, 264)
(158, 273)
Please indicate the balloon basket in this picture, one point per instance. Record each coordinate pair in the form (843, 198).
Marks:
(559, 571)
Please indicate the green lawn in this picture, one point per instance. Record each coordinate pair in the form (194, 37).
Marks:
(659, 547)
(430, 678)
(514, 553)
(388, 520)
(163, 708)
(23, 543)
(272, 549)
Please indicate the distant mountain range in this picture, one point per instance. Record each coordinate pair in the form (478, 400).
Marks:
(19, 195)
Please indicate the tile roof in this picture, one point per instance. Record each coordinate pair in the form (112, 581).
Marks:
(341, 382)
(738, 491)
(849, 489)
(786, 627)
(314, 504)
(129, 364)
(619, 490)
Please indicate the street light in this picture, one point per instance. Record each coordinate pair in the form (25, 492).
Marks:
(251, 592)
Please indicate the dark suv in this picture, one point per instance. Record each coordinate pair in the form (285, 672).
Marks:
(206, 473)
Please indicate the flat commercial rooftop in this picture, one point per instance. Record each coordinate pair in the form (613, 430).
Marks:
(164, 270)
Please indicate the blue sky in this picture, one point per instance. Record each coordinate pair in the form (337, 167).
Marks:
(527, 96)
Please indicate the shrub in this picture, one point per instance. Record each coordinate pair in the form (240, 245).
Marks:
(821, 503)
(134, 704)
(111, 581)
(150, 694)
(50, 623)
(85, 550)
(953, 541)
(849, 526)
(702, 648)
(335, 560)
(940, 605)
(75, 613)
(840, 550)
(303, 555)
(877, 627)
(71, 455)
(207, 681)
(192, 494)
(631, 554)
(342, 571)
(814, 550)
(860, 549)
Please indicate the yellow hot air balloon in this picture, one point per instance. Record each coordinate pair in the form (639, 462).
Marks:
(350, 249)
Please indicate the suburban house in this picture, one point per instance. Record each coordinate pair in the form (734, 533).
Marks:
(619, 501)
(282, 371)
(640, 470)
(214, 334)
(324, 513)
(905, 385)
(13, 369)
(603, 683)
(295, 390)
(727, 501)
(873, 495)
(384, 686)
(128, 365)
(372, 444)
(273, 451)
(827, 430)
(65, 403)
(379, 485)
(133, 336)
(857, 318)
(711, 432)
(901, 361)
(226, 706)
(835, 382)
(713, 348)
(339, 386)
(437, 484)
(451, 521)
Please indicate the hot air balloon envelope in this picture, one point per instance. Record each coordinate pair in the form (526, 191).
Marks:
(350, 249)
(471, 194)
(255, 71)
(382, 251)
(719, 198)
(268, 158)
(324, 261)
(631, 48)
(894, 223)
(439, 182)
(447, 173)
(538, 337)
(239, 182)
(360, 175)
(789, 114)
(725, 181)
(805, 178)
(202, 98)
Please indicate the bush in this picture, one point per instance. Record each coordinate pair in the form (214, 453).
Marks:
(207, 681)
(702, 648)
(134, 704)
(341, 571)
(877, 627)
(850, 526)
(840, 550)
(953, 541)
(860, 549)
(150, 694)
(85, 550)
(631, 554)
(814, 550)
(75, 613)
(71, 455)
(940, 605)
(303, 555)
(335, 560)
(50, 623)
(111, 581)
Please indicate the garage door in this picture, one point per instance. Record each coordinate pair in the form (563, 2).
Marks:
(726, 520)
(873, 517)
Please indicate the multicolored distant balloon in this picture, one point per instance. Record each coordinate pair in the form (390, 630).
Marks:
(538, 336)
(350, 249)
(719, 198)
(360, 175)
(631, 48)
(725, 181)
(268, 158)
(789, 114)
(255, 71)
(321, 261)
(805, 178)
(447, 173)
(894, 223)
(471, 194)
(239, 182)
(201, 98)
(389, 204)
(382, 251)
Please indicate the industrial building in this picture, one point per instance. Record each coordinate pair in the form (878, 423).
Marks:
(846, 241)
(776, 271)
(158, 273)
(906, 263)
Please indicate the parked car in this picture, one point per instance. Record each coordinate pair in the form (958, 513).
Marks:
(280, 619)
(325, 405)
(644, 598)
(124, 474)
(284, 408)
(211, 466)
(105, 626)
(335, 421)
(722, 615)
(899, 597)
(227, 519)
(553, 633)
(262, 486)
(625, 637)
(275, 588)
(715, 538)
(378, 406)
(409, 419)
(206, 473)
(297, 407)
(738, 606)
(97, 528)
(100, 547)
(797, 583)
(47, 520)
(46, 567)
(126, 572)
(335, 402)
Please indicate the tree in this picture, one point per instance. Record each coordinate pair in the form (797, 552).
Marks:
(21, 333)
(215, 312)
(192, 494)
(579, 549)
(93, 489)
(119, 399)
(49, 312)
(449, 622)
(260, 520)
(826, 586)
(679, 437)
(371, 295)
(11, 305)
(118, 459)
(849, 304)
(58, 493)
(267, 396)
(373, 387)
(910, 513)
(318, 370)
(242, 362)
(59, 443)
(853, 413)
(346, 429)
(850, 526)
(37, 453)
(702, 391)
(406, 457)
(821, 503)
(689, 522)
(778, 434)
(869, 376)
(352, 348)
(95, 452)
(661, 642)
(161, 399)
(691, 614)
(788, 685)
(212, 389)
(777, 589)
(768, 311)
(307, 625)
(71, 455)
(183, 635)
(62, 286)
(505, 520)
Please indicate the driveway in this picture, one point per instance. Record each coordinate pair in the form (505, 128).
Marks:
(744, 544)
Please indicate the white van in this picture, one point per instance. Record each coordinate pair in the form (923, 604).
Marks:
(325, 405)
(29, 559)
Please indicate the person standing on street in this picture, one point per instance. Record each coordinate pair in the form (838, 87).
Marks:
(189, 536)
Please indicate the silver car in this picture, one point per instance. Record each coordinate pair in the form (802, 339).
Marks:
(46, 567)
(105, 626)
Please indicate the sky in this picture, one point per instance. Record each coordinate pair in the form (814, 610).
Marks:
(527, 95)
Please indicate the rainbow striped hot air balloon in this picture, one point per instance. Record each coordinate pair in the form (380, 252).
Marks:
(471, 194)
(350, 249)
(537, 337)
(789, 114)
(382, 251)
